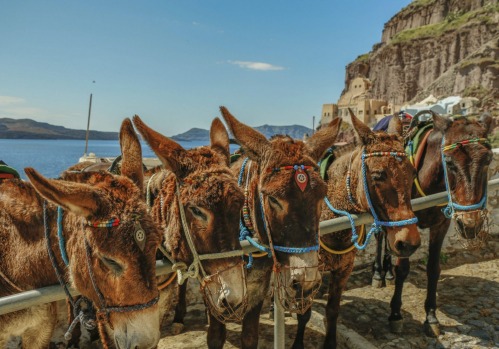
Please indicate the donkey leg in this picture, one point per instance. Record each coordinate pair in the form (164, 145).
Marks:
(337, 283)
(377, 279)
(180, 309)
(402, 269)
(437, 235)
(249, 335)
(216, 333)
(303, 319)
(388, 266)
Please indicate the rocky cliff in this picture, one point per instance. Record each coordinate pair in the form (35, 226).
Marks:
(439, 47)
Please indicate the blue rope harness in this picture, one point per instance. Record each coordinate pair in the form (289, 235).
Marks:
(246, 234)
(450, 210)
(62, 243)
(377, 225)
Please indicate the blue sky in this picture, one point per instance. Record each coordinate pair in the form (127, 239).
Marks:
(175, 62)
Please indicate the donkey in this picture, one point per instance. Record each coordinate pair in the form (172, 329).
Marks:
(103, 244)
(374, 177)
(196, 203)
(283, 194)
(455, 159)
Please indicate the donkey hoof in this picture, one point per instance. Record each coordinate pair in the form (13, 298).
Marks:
(432, 330)
(177, 328)
(396, 326)
(377, 283)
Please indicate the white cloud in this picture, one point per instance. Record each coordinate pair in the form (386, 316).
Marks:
(256, 65)
(9, 100)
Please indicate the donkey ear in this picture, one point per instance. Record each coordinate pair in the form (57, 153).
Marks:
(78, 198)
(219, 139)
(395, 126)
(131, 152)
(253, 142)
(323, 139)
(168, 151)
(486, 121)
(365, 134)
(440, 123)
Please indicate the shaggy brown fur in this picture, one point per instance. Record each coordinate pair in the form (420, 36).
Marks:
(124, 273)
(389, 182)
(292, 215)
(467, 168)
(209, 194)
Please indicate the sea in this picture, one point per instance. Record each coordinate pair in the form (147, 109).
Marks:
(51, 157)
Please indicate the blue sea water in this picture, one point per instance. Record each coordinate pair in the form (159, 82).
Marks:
(51, 157)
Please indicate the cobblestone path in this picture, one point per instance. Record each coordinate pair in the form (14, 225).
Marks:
(468, 300)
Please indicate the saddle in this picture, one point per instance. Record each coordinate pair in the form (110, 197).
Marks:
(7, 172)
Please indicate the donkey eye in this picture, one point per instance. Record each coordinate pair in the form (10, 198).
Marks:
(197, 212)
(378, 176)
(112, 265)
(274, 201)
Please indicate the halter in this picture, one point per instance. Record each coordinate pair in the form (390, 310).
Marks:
(246, 227)
(377, 225)
(194, 270)
(290, 300)
(450, 210)
(87, 316)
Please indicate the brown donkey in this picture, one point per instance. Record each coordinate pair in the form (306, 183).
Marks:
(283, 196)
(375, 177)
(196, 203)
(464, 155)
(106, 237)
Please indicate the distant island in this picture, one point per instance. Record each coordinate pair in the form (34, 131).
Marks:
(198, 134)
(31, 129)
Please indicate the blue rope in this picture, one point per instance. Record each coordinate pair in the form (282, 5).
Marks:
(377, 225)
(451, 207)
(62, 243)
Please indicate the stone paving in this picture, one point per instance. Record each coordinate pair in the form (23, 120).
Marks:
(468, 299)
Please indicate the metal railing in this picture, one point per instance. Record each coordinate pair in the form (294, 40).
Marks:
(49, 294)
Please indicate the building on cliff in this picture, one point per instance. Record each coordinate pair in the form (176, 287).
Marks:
(358, 98)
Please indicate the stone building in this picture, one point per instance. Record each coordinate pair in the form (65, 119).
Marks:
(358, 98)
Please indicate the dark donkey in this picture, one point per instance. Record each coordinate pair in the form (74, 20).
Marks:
(283, 196)
(104, 244)
(196, 202)
(455, 159)
(374, 177)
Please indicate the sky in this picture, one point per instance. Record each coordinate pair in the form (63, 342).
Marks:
(174, 62)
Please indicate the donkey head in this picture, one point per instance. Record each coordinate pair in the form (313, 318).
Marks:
(389, 182)
(466, 157)
(211, 199)
(113, 266)
(288, 194)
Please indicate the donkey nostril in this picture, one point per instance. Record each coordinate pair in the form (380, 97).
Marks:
(295, 285)
(405, 248)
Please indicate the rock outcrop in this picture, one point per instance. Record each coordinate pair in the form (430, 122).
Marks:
(439, 47)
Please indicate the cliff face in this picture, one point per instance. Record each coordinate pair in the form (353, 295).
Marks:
(442, 47)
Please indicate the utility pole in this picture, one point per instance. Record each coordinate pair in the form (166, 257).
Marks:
(313, 124)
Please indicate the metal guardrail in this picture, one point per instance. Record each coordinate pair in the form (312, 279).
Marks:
(49, 294)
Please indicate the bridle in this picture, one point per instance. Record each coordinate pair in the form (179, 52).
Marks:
(378, 224)
(195, 269)
(291, 302)
(450, 210)
(86, 316)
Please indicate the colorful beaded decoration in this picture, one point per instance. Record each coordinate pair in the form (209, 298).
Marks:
(113, 222)
(465, 142)
(292, 167)
(395, 154)
(246, 213)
